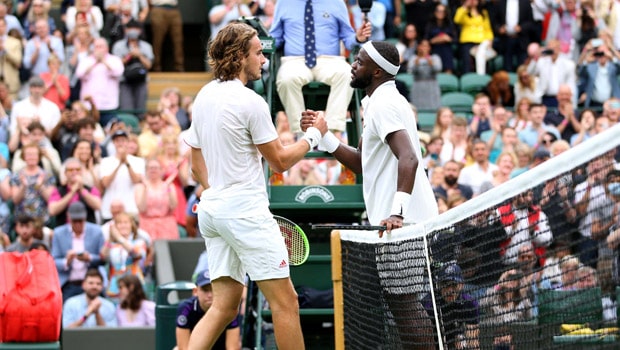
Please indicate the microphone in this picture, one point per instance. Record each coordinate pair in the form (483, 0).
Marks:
(365, 6)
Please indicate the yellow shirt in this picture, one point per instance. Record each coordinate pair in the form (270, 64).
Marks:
(474, 29)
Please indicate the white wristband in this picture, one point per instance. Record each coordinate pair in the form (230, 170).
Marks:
(312, 136)
(329, 142)
(400, 203)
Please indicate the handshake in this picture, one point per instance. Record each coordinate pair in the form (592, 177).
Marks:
(316, 133)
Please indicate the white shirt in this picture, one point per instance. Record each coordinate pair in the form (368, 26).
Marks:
(121, 187)
(474, 176)
(385, 112)
(228, 121)
(602, 86)
(24, 112)
(597, 200)
(512, 16)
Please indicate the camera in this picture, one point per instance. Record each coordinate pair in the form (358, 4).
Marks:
(598, 54)
(547, 52)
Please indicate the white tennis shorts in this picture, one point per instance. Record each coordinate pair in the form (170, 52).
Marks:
(236, 246)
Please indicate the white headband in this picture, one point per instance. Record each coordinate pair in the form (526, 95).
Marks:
(380, 60)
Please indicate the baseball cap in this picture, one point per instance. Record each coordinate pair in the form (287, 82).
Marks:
(542, 153)
(451, 273)
(77, 211)
(119, 133)
(203, 278)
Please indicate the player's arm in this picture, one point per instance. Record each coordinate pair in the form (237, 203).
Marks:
(182, 335)
(281, 158)
(345, 154)
(233, 339)
(199, 168)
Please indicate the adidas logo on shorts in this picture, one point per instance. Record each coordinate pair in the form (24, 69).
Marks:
(283, 264)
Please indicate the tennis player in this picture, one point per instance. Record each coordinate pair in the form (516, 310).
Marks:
(397, 191)
(230, 131)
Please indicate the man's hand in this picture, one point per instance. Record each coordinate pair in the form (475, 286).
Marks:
(363, 33)
(391, 223)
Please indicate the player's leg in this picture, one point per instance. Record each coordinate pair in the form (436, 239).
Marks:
(284, 306)
(227, 295)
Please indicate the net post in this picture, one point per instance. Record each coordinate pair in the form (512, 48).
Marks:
(338, 292)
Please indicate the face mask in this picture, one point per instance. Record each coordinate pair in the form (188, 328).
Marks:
(614, 188)
(133, 34)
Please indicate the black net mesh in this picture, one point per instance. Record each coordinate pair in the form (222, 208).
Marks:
(534, 269)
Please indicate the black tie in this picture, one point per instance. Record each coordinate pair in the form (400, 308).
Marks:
(310, 45)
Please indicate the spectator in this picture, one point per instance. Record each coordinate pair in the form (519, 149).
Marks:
(40, 47)
(89, 309)
(482, 112)
(514, 24)
(117, 207)
(76, 247)
(303, 174)
(11, 59)
(125, 252)
(227, 11)
(564, 26)
(407, 45)
(324, 62)
(138, 9)
(85, 129)
(190, 311)
(83, 13)
(266, 18)
(524, 155)
(441, 33)
(24, 227)
(553, 70)
(564, 117)
(57, 89)
(425, 93)
(84, 153)
(166, 19)
(499, 90)
(64, 132)
(176, 171)
(433, 151)
(100, 75)
(32, 186)
(475, 30)
(481, 171)
(533, 135)
(137, 56)
(494, 136)
(450, 185)
(456, 147)
(37, 11)
(11, 21)
(443, 120)
(156, 200)
(171, 109)
(507, 301)
(74, 191)
(50, 160)
(551, 274)
(22, 8)
(34, 107)
(134, 310)
(6, 99)
(587, 121)
(79, 48)
(5, 195)
(460, 310)
(526, 86)
(117, 20)
(150, 137)
(119, 175)
(521, 118)
(418, 14)
(506, 163)
(598, 72)
(191, 216)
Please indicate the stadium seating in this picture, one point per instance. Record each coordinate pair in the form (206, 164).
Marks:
(131, 121)
(457, 101)
(448, 82)
(473, 83)
(426, 120)
(406, 78)
(100, 338)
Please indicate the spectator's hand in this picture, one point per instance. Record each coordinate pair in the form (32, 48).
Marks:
(363, 33)
(85, 256)
(94, 306)
(71, 254)
(40, 180)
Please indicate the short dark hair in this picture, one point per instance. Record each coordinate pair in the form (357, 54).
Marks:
(93, 273)
(534, 105)
(35, 125)
(388, 51)
(24, 219)
(84, 122)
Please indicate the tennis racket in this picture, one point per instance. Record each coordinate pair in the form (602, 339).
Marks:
(295, 240)
(348, 227)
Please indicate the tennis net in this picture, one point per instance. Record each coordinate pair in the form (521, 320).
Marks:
(525, 265)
